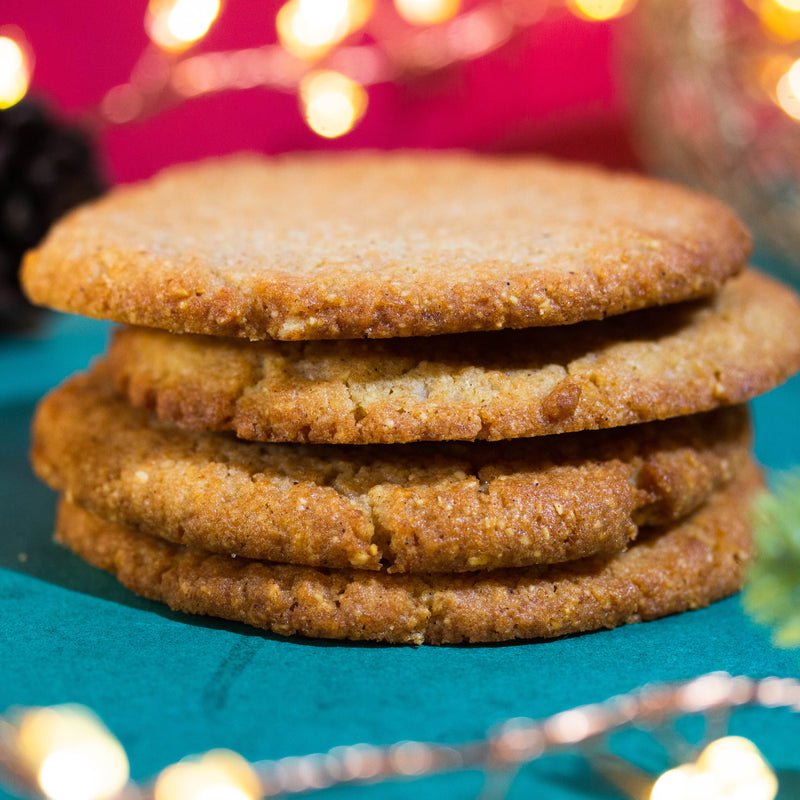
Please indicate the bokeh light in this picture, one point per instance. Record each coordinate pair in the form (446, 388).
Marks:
(71, 753)
(744, 771)
(427, 12)
(332, 102)
(217, 775)
(309, 28)
(731, 768)
(600, 9)
(780, 19)
(15, 71)
(177, 24)
(788, 91)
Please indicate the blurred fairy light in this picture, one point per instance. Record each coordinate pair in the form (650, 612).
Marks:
(731, 768)
(308, 29)
(66, 753)
(328, 52)
(310, 36)
(332, 102)
(788, 91)
(121, 104)
(780, 19)
(601, 9)
(216, 775)
(15, 70)
(427, 12)
(71, 754)
(177, 24)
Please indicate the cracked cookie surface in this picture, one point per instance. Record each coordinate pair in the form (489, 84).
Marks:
(687, 566)
(401, 508)
(383, 245)
(634, 368)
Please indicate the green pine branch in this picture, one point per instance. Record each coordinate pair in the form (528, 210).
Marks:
(772, 593)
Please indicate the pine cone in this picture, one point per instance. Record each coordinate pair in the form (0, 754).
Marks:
(46, 168)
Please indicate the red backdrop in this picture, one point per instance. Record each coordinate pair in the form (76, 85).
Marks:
(552, 90)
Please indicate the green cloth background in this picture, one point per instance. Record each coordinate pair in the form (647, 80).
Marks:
(169, 685)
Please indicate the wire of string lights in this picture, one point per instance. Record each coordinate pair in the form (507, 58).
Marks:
(63, 752)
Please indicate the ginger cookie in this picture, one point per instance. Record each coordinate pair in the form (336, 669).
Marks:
(687, 566)
(403, 508)
(642, 366)
(383, 245)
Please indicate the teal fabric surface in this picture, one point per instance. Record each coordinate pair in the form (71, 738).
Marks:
(168, 685)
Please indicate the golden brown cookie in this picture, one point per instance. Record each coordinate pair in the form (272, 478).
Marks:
(688, 566)
(407, 508)
(648, 365)
(382, 245)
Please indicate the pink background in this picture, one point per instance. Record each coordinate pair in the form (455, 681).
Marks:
(551, 90)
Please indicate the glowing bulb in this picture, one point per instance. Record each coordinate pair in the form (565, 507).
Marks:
(745, 772)
(176, 24)
(325, 14)
(788, 91)
(731, 768)
(780, 19)
(333, 103)
(217, 775)
(793, 76)
(15, 72)
(71, 753)
(600, 9)
(358, 13)
(427, 12)
(309, 28)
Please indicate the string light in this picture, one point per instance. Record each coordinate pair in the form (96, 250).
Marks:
(176, 24)
(780, 19)
(15, 70)
(73, 757)
(731, 768)
(308, 31)
(309, 28)
(788, 91)
(427, 12)
(601, 9)
(332, 102)
(71, 754)
(216, 775)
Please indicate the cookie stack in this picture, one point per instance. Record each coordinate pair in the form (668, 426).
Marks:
(412, 397)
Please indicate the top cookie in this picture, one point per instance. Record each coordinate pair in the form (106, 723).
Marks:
(383, 245)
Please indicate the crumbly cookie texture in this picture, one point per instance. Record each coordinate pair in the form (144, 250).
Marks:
(687, 566)
(403, 508)
(383, 245)
(638, 367)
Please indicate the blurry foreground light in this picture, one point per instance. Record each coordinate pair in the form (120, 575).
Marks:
(15, 72)
(71, 754)
(788, 91)
(176, 24)
(780, 19)
(332, 102)
(601, 9)
(731, 768)
(309, 28)
(217, 775)
(427, 12)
